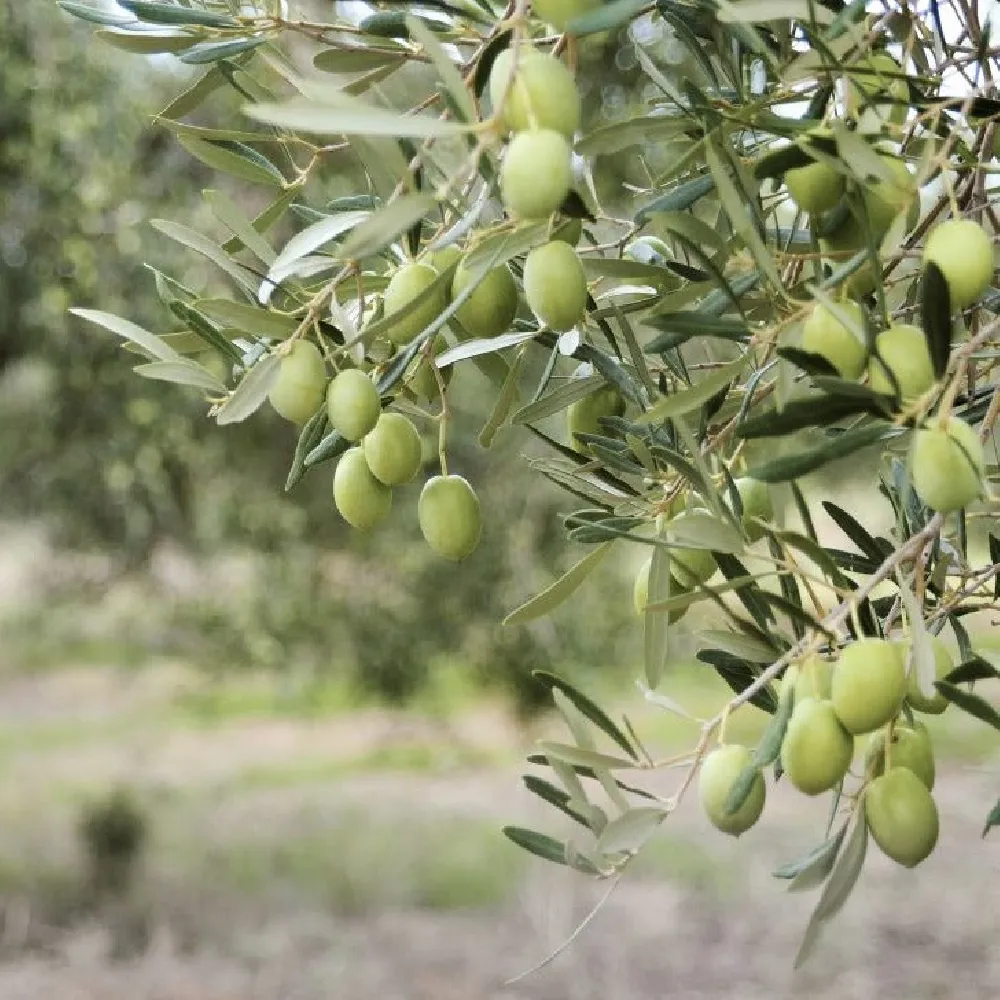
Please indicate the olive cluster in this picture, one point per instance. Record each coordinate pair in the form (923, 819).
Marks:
(386, 452)
(867, 690)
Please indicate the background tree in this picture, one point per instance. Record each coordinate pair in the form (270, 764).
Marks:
(755, 301)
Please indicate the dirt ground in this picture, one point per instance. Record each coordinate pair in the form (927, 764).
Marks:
(708, 922)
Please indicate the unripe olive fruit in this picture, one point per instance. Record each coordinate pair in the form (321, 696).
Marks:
(423, 381)
(885, 199)
(442, 259)
(404, 286)
(583, 416)
(393, 449)
(720, 770)
(814, 679)
(542, 95)
(817, 750)
(815, 188)
(902, 816)
(640, 592)
(352, 404)
(555, 285)
(943, 665)
(536, 173)
(823, 333)
(689, 567)
(298, 390)
(757, 505)
(947, 465)
(903, 350)
(559, 13)
(868, 685)
(910, 748)
(490, 308)
(450, 517)
(964, 253)
(359, 497)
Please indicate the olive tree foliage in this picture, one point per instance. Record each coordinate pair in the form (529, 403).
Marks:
(794, 270)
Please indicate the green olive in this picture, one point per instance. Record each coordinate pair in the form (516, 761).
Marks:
(584, 415)
(947, 465)
(902, 816)
(901, 350)
(869, 684)
(689, 567)
(640, 593)
(720, 771)
(536, 174)
(363, 502)
(410, 281)
(490, 309)
(910, 747)
(964, 253)
(825, 334)
(555, 285)
(352, 404)
(757, 506)
(815, 188)
(943, 665)
(450, 517)
(298, 391)
(393, 449)
(817, 750)
(541, 95)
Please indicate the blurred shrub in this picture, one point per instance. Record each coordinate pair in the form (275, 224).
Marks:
(113, 830)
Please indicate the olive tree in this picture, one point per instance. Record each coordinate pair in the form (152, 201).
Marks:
(791, 267)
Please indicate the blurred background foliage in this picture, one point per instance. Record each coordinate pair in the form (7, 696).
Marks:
(113, 464)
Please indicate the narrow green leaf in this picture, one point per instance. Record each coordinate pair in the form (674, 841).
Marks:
(812, 869)
(555, 796)
(741, 789)
(874, 549)
(838, 888)
(149, 342)
(746, 647)
(194, 96)
(329, 447)
(250, 394)
(589, 709)
(692, 324)
(702, 530)
(384, 226)
(821, 411)
(310, 436)
(95, 15)
(539, 844)
(303, 115)
(680, 198)
(993, 819)
(970, 703)
(312, 238)
(935, 316)
(231, 158)
(476, 348)
(183, 372)
(975, 668)
(354, 59)
(628, 832)
(583, 758)
(201, 244)
(265, 220)
(170, 13)
(848, 443)
(555, 594)
(505, 400)
(734, 203)
(210, 52)
(739, 675)
(559, 399)
(768, 748)
(147, 43)
(686, 400)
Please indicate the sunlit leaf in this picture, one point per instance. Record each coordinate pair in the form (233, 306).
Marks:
(250, 394)
(556, 593)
